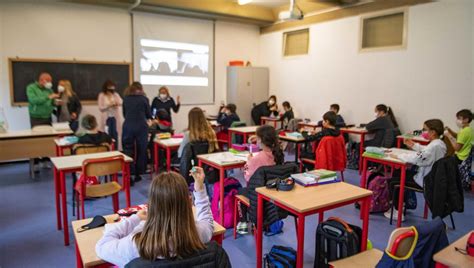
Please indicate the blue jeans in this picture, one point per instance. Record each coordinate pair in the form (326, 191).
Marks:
(112, 129)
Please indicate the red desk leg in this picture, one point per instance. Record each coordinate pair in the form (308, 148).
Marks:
(168, 159)
(57, 192)
(401, 195)
(245, 138)
(361, 150)
(221, 197)
(62, 179)
(229, 138)
(363, 179)
(321, 216)
(399, 142)
(79, 263)
(259, 230)
(365, 222)
(300, 247)
(156, 160)
(126, 179)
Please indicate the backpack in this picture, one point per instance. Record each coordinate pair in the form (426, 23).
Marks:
(353, 155)
(378, 184)
(90, 180)
(231, 188)
(280, 257)
(336, 239)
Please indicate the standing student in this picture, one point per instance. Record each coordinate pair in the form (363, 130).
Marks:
(329, 129)
(266, 108)
(199, 130)
(110, 106)
(167, 229)
(383, 127)
(91, 134)
(136, 110)
(339, 119)
(70, 106)
(424, 159)
(288, 115)
(41, 100)
(164, 102)
(271, 154)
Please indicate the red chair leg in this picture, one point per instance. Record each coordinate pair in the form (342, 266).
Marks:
(236, 203)
(425, 212)
(78, 216)
(83, 211)
(115, 202)
(301, 166)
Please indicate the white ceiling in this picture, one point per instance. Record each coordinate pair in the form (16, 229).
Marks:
(269, 3)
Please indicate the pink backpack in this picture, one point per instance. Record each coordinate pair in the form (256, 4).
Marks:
(378, 184)
(231, 188)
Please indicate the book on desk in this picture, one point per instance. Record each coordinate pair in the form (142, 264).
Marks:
(315, 177)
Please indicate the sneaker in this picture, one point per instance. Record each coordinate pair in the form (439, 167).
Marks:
(395, 213)
(242, 228)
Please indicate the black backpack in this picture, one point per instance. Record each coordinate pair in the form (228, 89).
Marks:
(336, 239)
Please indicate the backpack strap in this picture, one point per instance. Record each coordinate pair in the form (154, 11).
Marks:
(339, 220)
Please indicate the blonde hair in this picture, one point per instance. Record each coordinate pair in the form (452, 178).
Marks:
(67, 87)
(170, 220)
(165, 88)
(200, 130)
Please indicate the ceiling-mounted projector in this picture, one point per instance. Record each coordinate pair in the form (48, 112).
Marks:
(294, 13)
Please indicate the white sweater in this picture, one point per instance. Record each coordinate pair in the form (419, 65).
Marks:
(425, 157)
(117, 245)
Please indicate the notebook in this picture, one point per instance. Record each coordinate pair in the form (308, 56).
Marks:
(306, 179)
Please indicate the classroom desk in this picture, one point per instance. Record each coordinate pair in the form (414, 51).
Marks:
(68, 164)
(29, 144)
(274, 120)
(449, 257)
(305, 201)
(366, 259)
(62, 147)
(167, 145)
(86, 241)
(222, 161)
(296, 140)
(394, 163)
(361, 132)
(312, 124)
(244, 131)
(416, 139)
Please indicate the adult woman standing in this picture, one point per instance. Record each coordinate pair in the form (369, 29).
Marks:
(266, 108)
(136, 110)
(165, 102)
(110, 106)
(69, 106)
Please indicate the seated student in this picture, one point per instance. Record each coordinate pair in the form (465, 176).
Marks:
(383, 127)
(92, 135)
(271, 154)
(462, 143)
(198, 130)
(266, 108)
(339, 120)
(288, 115)
(329, 129)
(167, 229)
(424, 159)
(228, 115)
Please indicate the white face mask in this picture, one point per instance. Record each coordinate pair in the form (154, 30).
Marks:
(48, 85)
(163, 96)
(459, 123)
(61, 89)
(376, 115)
(271, 102)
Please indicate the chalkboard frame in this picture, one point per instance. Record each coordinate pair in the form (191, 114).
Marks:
(86, 102)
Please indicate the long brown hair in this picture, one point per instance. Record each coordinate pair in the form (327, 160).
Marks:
(135, 88)
(170, 229)
(269, 137)
(389, 111)
(437, 126)
(200, 129)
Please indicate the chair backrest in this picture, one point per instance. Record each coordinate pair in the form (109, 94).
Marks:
(331, 153)
(190, 152)
(402, 241)
(90, 148)
(103, 166)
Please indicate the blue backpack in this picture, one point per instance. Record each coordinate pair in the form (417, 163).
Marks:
(274, 228)
(280, 257)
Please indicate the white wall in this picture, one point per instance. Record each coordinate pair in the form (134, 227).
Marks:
(432, 78)
(67, 31)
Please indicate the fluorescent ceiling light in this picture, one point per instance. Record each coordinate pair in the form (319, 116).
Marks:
(244, 2)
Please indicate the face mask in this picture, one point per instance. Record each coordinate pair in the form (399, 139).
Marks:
(48, 85)
(61, 89)
(376, 115)
(163, 96)
(459, 123)
(425, 135)
(111, 89)
(271, 102)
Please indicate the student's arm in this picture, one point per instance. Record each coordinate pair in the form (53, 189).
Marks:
(340, 121)
(34, 97)
(101, 103)
(154, 106)
(315, 137)
(221, 118)
(459, 141)
(373, 125)
(204, 218)
(423, 158)
(175, 106)
(116, 245)
(451, 132)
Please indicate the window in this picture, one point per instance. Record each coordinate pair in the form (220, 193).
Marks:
(296, 42)
(385, 30)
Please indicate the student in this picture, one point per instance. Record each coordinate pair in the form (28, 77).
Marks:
(227, 116)
(339, 120)
(136, 110)
(288, 115)
(110, 106)
(69, 106)
(92, 135)
(329, 129)
(266, 108)
(167, 229)
(383, 127)
(424, 159)
(271, 154)
(198, 129)
(166, 103)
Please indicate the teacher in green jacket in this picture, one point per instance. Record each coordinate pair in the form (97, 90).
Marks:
(41, 100)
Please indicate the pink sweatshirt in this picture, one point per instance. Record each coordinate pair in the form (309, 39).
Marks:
(263, 158)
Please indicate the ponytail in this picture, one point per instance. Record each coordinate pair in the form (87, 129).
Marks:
(389, 111)
(437, 126)
(269, 137)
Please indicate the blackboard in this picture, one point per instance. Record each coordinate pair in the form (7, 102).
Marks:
(86, 78)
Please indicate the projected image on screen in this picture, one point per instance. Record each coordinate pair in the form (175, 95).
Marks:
(173, 63)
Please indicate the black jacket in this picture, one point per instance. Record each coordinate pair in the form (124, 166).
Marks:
(227, 120)
(166, 105)
(136, 110)
(190, 152)
(212, 256)
(383, 129)
(271, 212)
(443, 188)
(260, 110)
(73, 106)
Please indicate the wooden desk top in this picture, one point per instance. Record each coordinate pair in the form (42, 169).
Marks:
(414, 138)
(291, 138)
(396, 151)
(451, 258)
(267, 118)
(30, 133)
(250, 129)
(310, 124)
(224, 159)
(354, 130)
(87, 240)
(304, 199)
(368, 259)
(75, 161)
(172, 142)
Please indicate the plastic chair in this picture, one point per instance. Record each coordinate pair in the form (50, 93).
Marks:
(101, 167)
